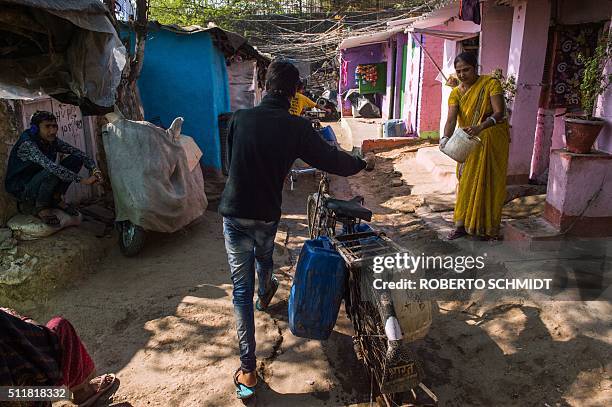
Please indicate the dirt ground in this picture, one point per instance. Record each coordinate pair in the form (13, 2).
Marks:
(163, 321)
(502, 353)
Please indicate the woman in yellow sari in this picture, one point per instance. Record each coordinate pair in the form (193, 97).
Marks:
(477, 106)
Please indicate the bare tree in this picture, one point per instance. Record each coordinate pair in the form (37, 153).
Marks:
(128, 98)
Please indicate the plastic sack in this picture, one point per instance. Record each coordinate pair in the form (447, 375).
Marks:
(414, 317)
(28, 227)
(85, 58)
(155, 182)
(366, 109)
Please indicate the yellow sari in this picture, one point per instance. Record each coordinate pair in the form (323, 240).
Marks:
(482, 178)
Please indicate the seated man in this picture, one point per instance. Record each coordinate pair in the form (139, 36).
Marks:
(299, 102)
(34, 177)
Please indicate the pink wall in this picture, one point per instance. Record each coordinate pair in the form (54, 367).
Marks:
(542, 145)
(558, 138)
(431, 89)
(526, 61)
(575, 179)
(496, 32)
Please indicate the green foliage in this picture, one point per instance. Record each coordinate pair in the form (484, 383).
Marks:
(594, 80)
(225, 13)
(201, 12)
(508, 85)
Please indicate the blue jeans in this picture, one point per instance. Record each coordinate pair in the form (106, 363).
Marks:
(249, 244)
(44, 190)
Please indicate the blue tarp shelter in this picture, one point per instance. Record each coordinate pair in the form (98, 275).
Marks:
(184, 74)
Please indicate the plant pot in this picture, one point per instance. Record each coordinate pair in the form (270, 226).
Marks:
(580, 134)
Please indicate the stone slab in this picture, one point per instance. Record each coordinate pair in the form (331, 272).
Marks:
(532, 231)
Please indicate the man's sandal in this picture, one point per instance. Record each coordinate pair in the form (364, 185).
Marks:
(105, 383)
(49, 220)
(263, 302)
(242, 390)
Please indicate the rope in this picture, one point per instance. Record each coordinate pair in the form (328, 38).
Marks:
(429, 56)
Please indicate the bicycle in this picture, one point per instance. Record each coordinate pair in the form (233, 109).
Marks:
(378, 340)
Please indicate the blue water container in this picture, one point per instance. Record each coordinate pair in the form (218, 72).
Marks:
(394, 128)
(359, 228)
(317, 290)
(328, 135)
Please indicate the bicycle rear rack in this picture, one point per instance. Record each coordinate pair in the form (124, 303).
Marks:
(394, 366)
(356, 248)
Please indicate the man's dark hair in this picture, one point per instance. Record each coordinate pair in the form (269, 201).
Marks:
(467, 57)
(282, 78)
(42, 115)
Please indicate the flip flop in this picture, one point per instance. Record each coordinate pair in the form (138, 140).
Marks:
(263, 302)
(242, 390)
(106, 383)
(456, 234)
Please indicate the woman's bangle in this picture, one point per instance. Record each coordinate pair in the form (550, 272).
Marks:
(493, 119)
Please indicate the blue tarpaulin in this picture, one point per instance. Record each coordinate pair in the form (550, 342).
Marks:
(185, 75)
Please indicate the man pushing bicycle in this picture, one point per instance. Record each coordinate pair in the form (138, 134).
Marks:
(263, 143)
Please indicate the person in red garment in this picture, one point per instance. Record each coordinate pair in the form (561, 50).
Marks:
(32, 354)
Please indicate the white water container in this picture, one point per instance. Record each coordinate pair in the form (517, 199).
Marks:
(460, 145)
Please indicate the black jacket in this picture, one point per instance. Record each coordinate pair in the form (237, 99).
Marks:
(263, 143)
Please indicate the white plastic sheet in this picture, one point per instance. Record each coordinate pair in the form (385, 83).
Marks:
(86, 57)
(242, 93)
(153, 184)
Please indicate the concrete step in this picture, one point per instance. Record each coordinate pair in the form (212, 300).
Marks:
(534, 229)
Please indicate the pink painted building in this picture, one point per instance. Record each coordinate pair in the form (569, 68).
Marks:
(413, 86)
(421, 89)
(536, 42)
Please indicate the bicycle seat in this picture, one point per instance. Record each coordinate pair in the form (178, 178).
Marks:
(351, 208)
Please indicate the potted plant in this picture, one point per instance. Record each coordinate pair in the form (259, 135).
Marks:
(582, 131)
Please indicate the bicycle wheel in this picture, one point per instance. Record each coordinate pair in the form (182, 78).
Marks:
(394, 367)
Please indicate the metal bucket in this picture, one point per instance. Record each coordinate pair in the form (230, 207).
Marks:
(460, 145)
